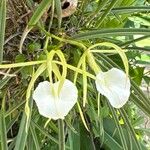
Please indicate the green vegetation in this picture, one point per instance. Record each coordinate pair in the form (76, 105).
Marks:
(42, 45)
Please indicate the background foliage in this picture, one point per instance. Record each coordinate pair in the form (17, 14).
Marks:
(125, 23)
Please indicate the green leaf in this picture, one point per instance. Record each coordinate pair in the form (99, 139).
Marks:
(58, 12)
(20, 58)
(130, 9)
(112, 138)
(2, 26)
(4, 81)
(39, 12)
(110, 32)
(14, 108)
(137, 74)
(106, 12)
(35, 138)
(44, 132)
(147, 79)
(140, 20)
(111, 143)
(3, 133)
(119, 128)
(86, 142)
(33, 47)
(74, 138)
(23, 129)
(12, 122)
(43, 6)
(26, 72)
(130, 128)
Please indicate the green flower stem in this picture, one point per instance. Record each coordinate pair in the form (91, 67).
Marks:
(22, 64)
(61, 135)
(72, 42)
(77, 70)
(91, 60)
(92, 63)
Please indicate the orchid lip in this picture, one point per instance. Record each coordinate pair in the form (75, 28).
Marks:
(114, 85)
(52, 105)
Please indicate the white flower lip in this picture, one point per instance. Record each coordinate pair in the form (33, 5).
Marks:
(55, 106)
(115, 85)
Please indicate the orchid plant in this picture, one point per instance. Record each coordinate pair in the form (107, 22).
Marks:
(82, 95)
(55, 102)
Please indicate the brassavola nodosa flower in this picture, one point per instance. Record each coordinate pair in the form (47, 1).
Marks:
(115, 85)
(53, 105)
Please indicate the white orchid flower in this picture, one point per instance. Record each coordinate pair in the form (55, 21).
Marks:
(52, 105)
(115, 85)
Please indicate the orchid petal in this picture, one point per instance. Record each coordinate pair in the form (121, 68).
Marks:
(115, 85)
(52, 105)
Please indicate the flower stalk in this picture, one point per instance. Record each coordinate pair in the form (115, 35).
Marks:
(92, 63)
(61, 135)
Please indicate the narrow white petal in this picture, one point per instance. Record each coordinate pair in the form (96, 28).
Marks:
(115, 85)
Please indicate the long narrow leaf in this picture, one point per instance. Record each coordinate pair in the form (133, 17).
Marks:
(3, 133)
(39, 12)
(119, 128)
(23, 130)
(2, 26)
(34, 20)
(35, 138)
(106, 12)
(111, 141)
(111, 32)
(129, 126)
(58, 11)
(130, 9)
(44, 132)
